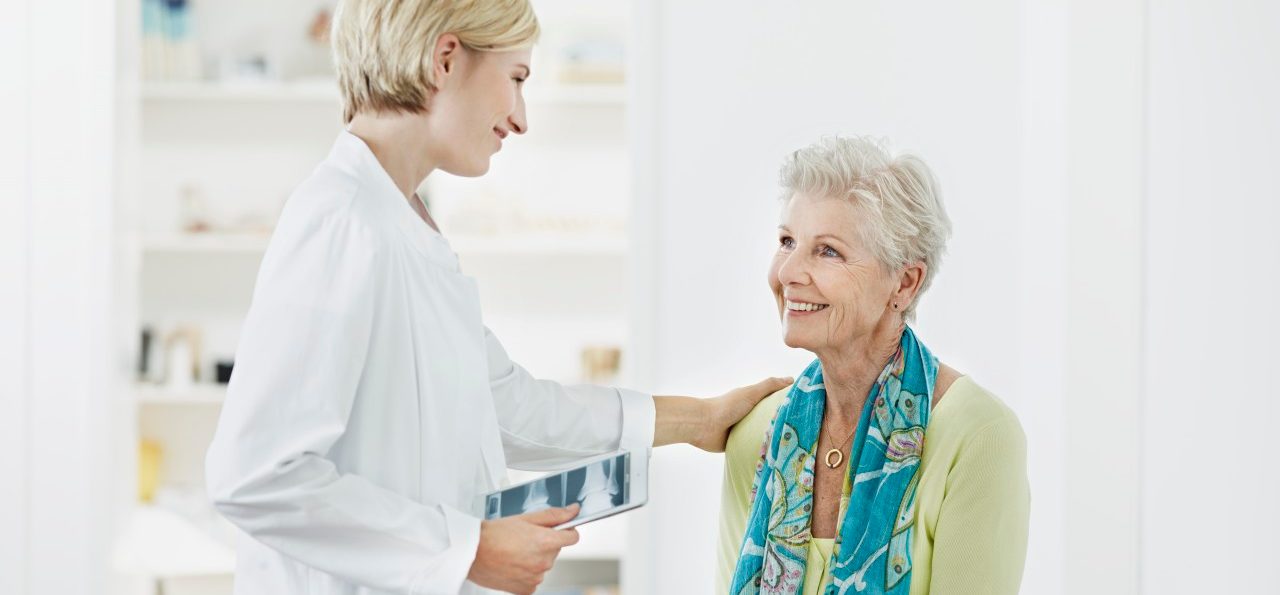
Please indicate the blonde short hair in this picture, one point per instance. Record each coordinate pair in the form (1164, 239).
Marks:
(904, 219)
(382, 49)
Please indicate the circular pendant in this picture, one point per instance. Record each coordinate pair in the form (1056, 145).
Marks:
(839, 458)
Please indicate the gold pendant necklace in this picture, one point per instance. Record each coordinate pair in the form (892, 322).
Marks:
(836, 452)
(839, 458)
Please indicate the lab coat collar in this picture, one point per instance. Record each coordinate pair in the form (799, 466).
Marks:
(351, 154)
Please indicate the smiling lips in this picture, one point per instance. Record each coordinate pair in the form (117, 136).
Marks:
(804, 307)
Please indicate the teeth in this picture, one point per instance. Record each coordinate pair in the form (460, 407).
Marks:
(804, 307)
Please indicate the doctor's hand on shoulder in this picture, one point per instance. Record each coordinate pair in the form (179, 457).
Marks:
(516, 552)
(705, 423)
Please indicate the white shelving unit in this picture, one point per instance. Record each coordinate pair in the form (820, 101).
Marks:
(325, 91)
(198, 394)
(205, 243)
(243, 146)
(497, 245)
(321, 90)
(159, 543)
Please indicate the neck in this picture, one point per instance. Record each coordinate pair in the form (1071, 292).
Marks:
(849, 372)
(401, 143)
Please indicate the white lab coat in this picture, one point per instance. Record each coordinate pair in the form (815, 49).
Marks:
(370, 408)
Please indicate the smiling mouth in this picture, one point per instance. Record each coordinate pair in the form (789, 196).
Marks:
(804, 306)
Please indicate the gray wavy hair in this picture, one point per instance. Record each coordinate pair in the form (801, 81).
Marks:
(898, 197)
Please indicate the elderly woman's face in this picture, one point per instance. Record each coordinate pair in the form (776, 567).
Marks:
(829, 286)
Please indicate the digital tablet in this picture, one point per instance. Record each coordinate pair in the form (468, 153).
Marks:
(603, 486)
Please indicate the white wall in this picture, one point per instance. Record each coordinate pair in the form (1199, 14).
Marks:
(56, 265)
(1102, 357)
(1210, 483)
(15, 180)
(1042, 257)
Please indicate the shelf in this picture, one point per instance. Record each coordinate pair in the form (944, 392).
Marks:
(161, 543)
(320, 91)
(198, 394)
(510, 245)
(207, 243)
(538, 243)
(578, 94)
(214, 394)
(326, 91)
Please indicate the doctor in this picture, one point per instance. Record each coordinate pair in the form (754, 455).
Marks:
(370, 408)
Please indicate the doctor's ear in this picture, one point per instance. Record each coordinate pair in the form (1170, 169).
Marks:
(445, 56)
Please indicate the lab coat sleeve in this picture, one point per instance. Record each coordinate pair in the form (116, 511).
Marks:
(298, 367)
(546, 425)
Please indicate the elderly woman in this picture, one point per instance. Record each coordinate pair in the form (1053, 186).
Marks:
(882, 469)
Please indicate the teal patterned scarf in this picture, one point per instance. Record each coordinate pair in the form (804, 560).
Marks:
(872, 551)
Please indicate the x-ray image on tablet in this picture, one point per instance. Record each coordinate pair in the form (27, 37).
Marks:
(603, 487)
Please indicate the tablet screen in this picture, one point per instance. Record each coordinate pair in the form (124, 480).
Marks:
(601, 487)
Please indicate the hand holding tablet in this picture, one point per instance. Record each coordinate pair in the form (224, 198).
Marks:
(515, 553)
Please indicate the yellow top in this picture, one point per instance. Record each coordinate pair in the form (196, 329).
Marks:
(972, 502)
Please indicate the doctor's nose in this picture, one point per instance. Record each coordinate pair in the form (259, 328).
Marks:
(518, 119)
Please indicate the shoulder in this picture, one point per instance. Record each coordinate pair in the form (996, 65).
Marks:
(972, 420)
(747, 437)
(328, 241)
(746, 443)
(332, 190)
(331, 206)
(946, 377)
(742, 453)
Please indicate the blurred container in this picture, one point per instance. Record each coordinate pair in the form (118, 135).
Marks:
(600, 364)
(149, 456)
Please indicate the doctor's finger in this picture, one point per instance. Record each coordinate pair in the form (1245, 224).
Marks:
(775, 384)
(551, 517)
(548, 539)
(567, 537)
(764, 388)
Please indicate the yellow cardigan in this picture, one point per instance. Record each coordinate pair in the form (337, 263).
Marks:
(972, 505)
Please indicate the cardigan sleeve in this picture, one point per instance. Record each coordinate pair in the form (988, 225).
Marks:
(980, 542)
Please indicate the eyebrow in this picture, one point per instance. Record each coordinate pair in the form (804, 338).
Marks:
(819, 236)
(832, 237)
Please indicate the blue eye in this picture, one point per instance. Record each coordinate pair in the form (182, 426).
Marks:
(829, 252)
(787, 242)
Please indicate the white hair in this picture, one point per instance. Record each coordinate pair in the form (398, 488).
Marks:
(903, 217)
